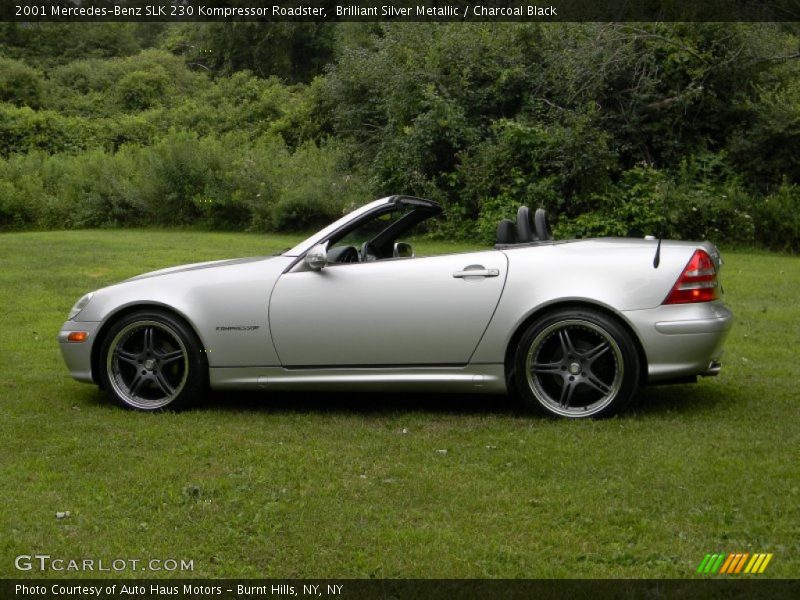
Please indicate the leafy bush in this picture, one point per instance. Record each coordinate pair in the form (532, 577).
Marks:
(20, 84)
(777, 219)
(315, 189)
(767, 146)
(683, 130)
(24, 130)
(226, 182)
(141, 90)
(649, 201)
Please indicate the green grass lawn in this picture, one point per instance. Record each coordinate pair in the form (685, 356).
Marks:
(356, 485)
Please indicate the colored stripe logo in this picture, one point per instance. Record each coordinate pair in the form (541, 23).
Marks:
(734, 563)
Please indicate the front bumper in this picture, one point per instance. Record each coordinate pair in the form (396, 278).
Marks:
(682, 340)
(78, 355)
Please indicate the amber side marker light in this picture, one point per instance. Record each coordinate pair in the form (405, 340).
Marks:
(77, 336)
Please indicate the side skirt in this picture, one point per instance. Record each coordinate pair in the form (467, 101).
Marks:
(474, 379)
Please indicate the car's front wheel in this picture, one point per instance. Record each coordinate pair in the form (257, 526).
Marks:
(576, 363)
(151, 360)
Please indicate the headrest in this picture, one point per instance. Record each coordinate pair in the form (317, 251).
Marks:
(525, 232)
(506, 232)
(541, 225)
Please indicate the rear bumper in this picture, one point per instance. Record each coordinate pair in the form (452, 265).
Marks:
(78, 355)
(682, 340)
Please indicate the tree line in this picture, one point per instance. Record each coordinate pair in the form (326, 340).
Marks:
(686, 130)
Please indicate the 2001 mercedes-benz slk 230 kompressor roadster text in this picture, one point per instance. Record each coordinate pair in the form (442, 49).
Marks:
(574, 326)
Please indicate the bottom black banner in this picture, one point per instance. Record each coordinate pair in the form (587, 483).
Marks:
(395, 589)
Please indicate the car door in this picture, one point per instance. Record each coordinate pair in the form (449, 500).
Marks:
(404, 311)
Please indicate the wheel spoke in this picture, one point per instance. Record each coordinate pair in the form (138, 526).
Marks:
(134, 386)
(566, 394)
(148, 339)
(594, 381)
(168, 357)
(573, 366)
(162, 382)
(596, 352)
(546, 367)
(125, 356)
(147, 364)
(566, 343)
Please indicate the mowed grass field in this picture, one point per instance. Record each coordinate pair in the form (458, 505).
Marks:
(320, 485)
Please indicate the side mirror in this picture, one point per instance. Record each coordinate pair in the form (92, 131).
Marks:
(402, 250)
(317, 257)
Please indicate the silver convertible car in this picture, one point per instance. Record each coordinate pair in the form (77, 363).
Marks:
(573, 326)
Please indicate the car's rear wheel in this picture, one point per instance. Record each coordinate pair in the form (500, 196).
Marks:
(576, 363)
(151, 360)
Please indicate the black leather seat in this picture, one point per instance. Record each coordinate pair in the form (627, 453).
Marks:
(533, 229)
(506, 232)
(541, 225)
(525, 229)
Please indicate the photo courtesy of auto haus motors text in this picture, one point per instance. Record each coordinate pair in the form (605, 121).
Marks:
(131, 589)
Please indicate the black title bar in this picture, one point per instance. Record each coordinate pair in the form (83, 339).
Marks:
(399, 10)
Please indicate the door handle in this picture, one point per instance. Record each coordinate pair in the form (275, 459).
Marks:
(477, 272)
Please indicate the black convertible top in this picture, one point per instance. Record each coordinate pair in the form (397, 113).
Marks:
(423, 203)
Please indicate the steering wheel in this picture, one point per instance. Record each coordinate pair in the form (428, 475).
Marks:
(368, 252)
(343, 254)
(350, 255)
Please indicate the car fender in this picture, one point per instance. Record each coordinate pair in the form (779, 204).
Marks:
(614, 274)
(226, 306)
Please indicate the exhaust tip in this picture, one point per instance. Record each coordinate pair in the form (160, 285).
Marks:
(714, 367)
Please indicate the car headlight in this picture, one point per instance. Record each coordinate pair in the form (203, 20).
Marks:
(79, 306)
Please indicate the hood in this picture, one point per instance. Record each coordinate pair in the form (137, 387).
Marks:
(199, 266)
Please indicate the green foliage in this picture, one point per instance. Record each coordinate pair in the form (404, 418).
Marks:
(24, 130)
(416, 100)
(225, 182)
(19, 83)
(141, 90)
(686, 130)
(555, 166)
(686, 205)
(767, 147)
(598, 123)
(49, 44)
(294, 52)
(777, 219)
(315, 190)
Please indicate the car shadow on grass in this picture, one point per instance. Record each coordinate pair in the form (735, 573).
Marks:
(651, 400)
(366, 403)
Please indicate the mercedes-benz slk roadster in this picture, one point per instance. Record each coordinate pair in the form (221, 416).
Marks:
(574, 327)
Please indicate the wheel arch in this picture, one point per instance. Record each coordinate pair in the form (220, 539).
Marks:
(576, 304)
(120, 313)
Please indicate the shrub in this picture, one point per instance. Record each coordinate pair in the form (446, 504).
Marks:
(777, 219)
(315, 189)
(20, 84)
(174, 174)
(24, 130)
(18, 210)
(141, 90)
(650, 201)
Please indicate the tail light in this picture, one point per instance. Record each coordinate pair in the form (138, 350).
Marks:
(697, 283)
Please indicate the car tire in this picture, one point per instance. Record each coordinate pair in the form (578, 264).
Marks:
(151, 360)
(576, 363)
